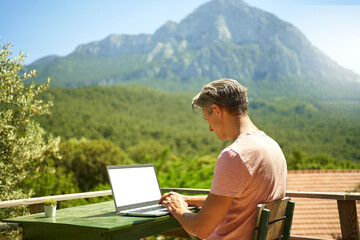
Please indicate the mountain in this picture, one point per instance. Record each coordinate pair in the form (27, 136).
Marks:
(221, 38)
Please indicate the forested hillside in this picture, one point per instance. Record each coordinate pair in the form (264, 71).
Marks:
(130, 116)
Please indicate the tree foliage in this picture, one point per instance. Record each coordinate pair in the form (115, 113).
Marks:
(24, 145)
(87, 161)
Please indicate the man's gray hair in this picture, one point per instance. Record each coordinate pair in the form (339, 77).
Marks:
(226, 93)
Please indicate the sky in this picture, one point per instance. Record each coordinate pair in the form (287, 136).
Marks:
(42, 27)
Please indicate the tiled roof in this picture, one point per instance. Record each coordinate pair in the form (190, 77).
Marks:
(318, 217)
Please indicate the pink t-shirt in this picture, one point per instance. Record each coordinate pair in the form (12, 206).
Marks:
(252, 170)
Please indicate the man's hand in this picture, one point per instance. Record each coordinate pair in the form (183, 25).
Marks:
(203, 223)
(174, 202)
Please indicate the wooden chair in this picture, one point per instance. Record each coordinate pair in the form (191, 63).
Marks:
(273, 220)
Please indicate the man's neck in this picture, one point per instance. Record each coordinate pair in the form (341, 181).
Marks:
(239, 125)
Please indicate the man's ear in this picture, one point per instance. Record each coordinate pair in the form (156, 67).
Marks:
(217, 110)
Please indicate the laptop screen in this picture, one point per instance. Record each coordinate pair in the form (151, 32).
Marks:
(134, 184)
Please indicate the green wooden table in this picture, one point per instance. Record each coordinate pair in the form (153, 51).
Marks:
(93, 221)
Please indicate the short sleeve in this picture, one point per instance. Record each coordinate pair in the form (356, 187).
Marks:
(231, 175)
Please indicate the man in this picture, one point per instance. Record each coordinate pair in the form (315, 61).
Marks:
(250, 171)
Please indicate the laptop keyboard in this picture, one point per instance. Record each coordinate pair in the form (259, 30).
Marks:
(159, 207)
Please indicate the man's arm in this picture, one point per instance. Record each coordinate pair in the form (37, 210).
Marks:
(203, 223)
(196, 201)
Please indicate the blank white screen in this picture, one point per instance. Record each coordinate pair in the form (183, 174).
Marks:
(134, 185)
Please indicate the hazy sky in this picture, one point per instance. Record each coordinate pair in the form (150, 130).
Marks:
(54, 27)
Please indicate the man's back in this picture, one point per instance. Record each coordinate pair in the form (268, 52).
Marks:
(252, 170)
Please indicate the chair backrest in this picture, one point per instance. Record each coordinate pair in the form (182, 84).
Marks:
(273, 220)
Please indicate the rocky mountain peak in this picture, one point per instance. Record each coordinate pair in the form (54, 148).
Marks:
(166, 31)
(221, 38)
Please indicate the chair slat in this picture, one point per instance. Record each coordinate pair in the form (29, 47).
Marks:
(277, 210)
(275, 229)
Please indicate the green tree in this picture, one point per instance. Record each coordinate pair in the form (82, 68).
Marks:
(87, 160)
(299, 160)
(146, 151)
(49, 183)
(24, 145)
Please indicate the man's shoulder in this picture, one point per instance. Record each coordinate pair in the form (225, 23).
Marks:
(248, 141)
(253, 140)
(251, 145)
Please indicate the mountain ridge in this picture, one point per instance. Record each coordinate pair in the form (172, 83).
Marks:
(221, 38)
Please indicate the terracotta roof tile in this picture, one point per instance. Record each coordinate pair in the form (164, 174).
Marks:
(318, 217)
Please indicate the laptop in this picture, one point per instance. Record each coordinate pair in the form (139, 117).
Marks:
(136, 190)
